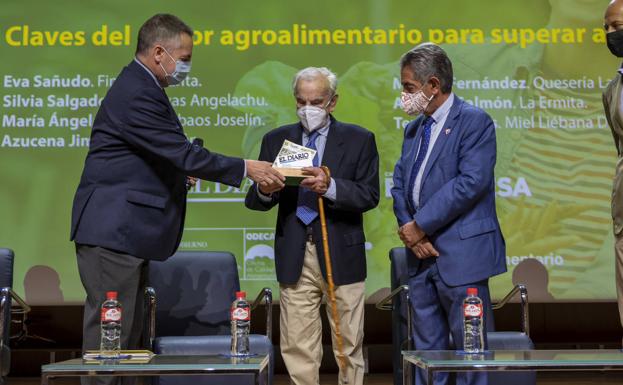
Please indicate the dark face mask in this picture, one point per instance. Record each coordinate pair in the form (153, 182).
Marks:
(615, 42)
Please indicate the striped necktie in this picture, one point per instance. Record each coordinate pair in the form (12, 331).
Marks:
(307, 204)
(419, 159)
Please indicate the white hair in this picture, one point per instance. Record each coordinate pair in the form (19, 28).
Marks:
(311, 73)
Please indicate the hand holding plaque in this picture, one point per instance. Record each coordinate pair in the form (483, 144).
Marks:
(291, 160)
(267, 177)
(317, 179)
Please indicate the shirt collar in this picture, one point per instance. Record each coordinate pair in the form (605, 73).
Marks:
(620, 70)
(148, 71)
(324, 130)
(443, 110)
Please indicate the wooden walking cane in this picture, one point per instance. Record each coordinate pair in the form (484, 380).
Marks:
(342, 360)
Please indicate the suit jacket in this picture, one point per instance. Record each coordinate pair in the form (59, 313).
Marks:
(351, 155)
(612, 102)
(457, 196)
(132, 195)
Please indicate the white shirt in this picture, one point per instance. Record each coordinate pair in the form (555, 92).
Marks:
(439, 116)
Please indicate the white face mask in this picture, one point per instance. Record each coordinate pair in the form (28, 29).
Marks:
(312, 117)
(182, 68)
(414, 104)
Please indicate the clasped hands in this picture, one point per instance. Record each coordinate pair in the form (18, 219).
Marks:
(415, 239)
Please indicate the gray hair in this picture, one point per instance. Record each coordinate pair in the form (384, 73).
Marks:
(311, 73)
(160, 28)
(427, 60)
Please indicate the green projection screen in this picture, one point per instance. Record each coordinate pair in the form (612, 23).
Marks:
(537, 67)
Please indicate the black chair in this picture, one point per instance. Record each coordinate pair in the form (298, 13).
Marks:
(6, 284)
(188, 303)
(398, 302)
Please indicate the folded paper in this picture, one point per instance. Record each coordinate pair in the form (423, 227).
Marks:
(291, 159)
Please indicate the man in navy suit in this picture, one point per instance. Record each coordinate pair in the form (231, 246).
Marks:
(350, 153)
(444, 200)
(130, 204)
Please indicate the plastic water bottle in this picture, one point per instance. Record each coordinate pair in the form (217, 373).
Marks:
(240, 325)
(473, 337)
(111, 326)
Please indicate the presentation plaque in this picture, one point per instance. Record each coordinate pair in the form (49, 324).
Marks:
(290, 161)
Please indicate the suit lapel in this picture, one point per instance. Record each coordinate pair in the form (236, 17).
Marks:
(134, 66)
(333, 153)
(615, 112)
(447, 130)
(294, 134)
(177, 119)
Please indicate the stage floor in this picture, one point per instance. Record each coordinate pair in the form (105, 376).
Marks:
(587, 378)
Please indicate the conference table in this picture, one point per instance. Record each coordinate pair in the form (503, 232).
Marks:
(161, 365)
(433, 361)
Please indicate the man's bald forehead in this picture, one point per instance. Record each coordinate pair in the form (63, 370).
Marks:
(614, 3)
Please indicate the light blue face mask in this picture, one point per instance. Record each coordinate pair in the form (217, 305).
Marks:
(182, 69)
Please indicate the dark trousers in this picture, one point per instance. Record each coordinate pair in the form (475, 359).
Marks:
(103, 270)
(438, 312)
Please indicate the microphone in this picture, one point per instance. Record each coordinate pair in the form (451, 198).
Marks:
(198, 142)
(195, 142)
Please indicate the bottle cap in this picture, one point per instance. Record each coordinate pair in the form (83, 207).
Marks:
(241, 294)
(472, 291)
(111, 295)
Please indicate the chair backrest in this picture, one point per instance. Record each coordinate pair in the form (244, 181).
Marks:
(6, 267)
(399, 276)
(6, 283)
(194, 291)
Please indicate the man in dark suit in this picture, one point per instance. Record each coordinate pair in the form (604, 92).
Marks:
(130, 204)
(444, 200)
(350, 153)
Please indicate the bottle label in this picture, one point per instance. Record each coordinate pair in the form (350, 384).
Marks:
(111, 314)
(240, 314)
(472, 310)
